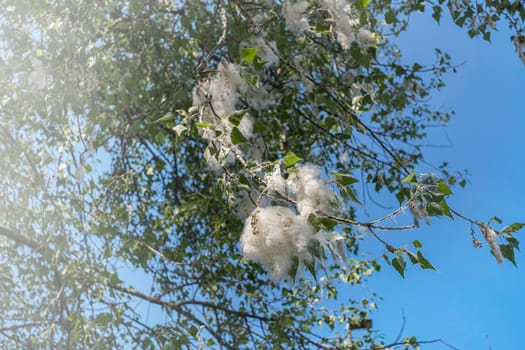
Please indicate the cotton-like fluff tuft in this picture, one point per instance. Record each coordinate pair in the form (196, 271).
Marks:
(274, 236)
(244, 204)
(275, 183)
(224, 89)
(491, 237)
(341, 13)
(257, 149)
(200, 92)
(246, 126)
(419, 211)
(260, 98)
(346, 21)
(295, 15)
(313, 194)
(222, 92)
(217, 99)
(365, 36)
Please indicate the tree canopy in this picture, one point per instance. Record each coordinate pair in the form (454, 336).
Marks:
(215, 159)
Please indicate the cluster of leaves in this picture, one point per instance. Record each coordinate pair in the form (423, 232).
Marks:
(105, 201)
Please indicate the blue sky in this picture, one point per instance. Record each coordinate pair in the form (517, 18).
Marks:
(471, 302)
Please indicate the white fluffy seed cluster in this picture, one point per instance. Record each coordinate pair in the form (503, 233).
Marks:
(274, 236)
(346, 22)
(295, 15)
(419, 211)
(344, 18)
(217, 99)
(491, 237)
(312, 193)
(277, 236)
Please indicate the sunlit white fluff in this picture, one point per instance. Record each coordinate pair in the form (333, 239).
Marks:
(275, 236)
(346, 23)
(217, 99)
(295, 15)
(313, 194)
(491, 237)
(275, 182)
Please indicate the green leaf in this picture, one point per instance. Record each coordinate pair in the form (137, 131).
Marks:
(412, 257)
(513, 227)
(290, 159)
(362, 4)
(390, 17)
(236, 117)
(399, 264)
(410, 341)
(423, 262)
(344, 179)
(360, 56)
(193, 330)
(114, 279)
(322, 222)
(248, 54)
(460, 21)
(243, 180)
(237, 137)
(446, 209)
(103, 319)
(403, 194)
(417, 244)
(434, 209)
(437, 13)
(495, 218)
(507, 251)
(444, 189)
(321, 29)
(348, 193)
(165, 118)
(311, 268)
(513, 242)
(410, 176)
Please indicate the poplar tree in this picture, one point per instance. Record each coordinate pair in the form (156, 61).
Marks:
(193, 174)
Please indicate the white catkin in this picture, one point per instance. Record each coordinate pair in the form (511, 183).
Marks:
(341, 13)
(346, 20)
(260, 98)
(313, 194)
(274, 236)
(419, 211)
(216, 99)
(295, 15)
(275, 183)
(491, 237)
